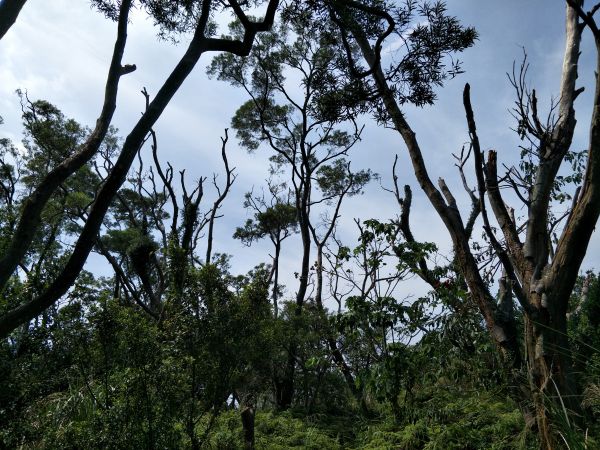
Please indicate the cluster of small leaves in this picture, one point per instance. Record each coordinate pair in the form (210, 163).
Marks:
(422, 35)
(577, 162)
(273, 222)
(335, 178)
(174, 18)
(434, 38)
(382, 313)
(249, 119)
(375, 334)
(408, 253)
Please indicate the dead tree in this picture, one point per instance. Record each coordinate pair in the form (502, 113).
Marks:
(541, 276)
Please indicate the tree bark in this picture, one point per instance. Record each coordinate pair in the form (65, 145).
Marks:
(543, 287)
(198, 45)
(285, 389)
(33, 206)
(501, 332)
(9, 10)
(248, 414)
(336, 354)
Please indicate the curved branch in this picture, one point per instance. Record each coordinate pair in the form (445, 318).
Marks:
(30, 218)
(198, 45)
(504, 218)
(502, 332)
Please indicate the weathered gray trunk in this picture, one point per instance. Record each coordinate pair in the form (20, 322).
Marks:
(542, 282)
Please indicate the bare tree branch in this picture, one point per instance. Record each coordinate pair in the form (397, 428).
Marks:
(198, 45)
(229, 179)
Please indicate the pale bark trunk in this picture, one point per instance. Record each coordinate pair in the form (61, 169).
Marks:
(542, 287)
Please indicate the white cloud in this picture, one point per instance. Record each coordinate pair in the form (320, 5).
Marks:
(60, 50)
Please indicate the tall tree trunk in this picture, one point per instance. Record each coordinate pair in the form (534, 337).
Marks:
(336, 354)
(276, 277)
(285, 386)
(444, 204)
(552, 381)
(542, 282)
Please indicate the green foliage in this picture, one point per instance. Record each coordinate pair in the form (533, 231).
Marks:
(48, 139)
(250, 117)
(273, 432)
(460, 421)
(121, 380)
(456, 422)
(319, 387)
(172, 18)
(585, 321)
(408, 254)
(336, 178)
(276, 221)
(584, 334)
(101, 370)
(278, 432)
(431, 39)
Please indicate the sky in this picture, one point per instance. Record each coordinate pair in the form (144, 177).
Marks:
(60, 50)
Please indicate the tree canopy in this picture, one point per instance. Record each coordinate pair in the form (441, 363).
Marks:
(124, 324)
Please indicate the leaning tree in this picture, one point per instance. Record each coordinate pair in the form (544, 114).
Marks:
(539, 256)
(196, 19)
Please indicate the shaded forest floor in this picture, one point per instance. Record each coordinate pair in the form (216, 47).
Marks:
(444, 419)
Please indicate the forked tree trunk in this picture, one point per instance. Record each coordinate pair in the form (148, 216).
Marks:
(542, 284)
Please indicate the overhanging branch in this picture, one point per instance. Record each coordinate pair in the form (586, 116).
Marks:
(30, 217)
(198, 45)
